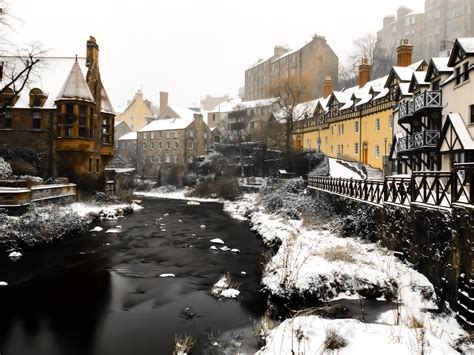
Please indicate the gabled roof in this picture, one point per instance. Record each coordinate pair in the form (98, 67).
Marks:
(174, 111)
(167, 124)
(106, 105)
(461, 48)
(455, 135)
(75, 87)
(437, 66)
(417, 80)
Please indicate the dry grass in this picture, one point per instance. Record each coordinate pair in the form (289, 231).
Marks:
(184, 344)
(340, 253)
(414, 323)
(264, 327)
(308, 222)
(333, 341)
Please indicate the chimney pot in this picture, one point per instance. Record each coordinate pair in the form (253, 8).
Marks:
(327, 86)
(364, 72)
(404, 53)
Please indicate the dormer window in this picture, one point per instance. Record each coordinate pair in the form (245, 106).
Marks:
(8, 98)
(37, 98)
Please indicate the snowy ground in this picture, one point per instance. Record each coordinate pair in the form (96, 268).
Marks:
(313, 261)
(84, 209)
(174, 195)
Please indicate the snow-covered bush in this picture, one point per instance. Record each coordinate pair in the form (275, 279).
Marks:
(5, 169)
(37, 226)
(144, 185)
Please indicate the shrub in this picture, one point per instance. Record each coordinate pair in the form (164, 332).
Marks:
(339, 253)
(333, 341)
(21, 167)
(5, 169)
(144, 185)
(224, 187)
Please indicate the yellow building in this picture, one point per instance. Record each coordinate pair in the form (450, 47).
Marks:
(356, 124)
(138, 113)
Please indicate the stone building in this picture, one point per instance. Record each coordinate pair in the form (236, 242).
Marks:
(430, 32)
(209, 102)
(127, 149)
(138, 113)
(167, 147)
(62, 122)
(305, 68)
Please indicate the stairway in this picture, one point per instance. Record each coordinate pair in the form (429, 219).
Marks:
(465, 313)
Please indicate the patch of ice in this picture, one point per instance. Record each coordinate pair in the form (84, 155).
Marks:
(213, 248)
(202, 226)
(235, 250)
(116, 230)
(194, 203)
(217, 241)
(225, 248)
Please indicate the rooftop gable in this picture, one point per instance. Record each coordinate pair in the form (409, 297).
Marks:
(75, 87)
(463, 47)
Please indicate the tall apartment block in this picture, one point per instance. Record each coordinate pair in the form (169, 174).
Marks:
(306, 68)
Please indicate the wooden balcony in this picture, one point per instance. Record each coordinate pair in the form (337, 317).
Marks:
(75, 145)
(427, 100)
(426, 139)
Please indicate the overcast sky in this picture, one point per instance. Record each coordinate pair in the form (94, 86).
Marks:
(191, 48)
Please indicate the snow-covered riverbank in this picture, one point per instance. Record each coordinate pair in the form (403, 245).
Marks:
(314, 262)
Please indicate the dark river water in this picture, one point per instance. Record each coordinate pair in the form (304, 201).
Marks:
(102, 294)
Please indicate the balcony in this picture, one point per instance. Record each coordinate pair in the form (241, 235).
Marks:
(429, 99)
(425, 139)
(75, 145)
(107, 149)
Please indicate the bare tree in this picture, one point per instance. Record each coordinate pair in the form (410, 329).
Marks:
(364, 48)
(289, 96)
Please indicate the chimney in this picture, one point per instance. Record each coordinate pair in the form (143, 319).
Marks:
(92, 57)
(279, 50)
(404, 53)
(327, 86)
(163, 100)
(139, 95)
(364, 72)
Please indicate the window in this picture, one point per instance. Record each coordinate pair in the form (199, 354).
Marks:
(176, 145)
(97, 165)
(458, 75)
(167, 158)
(356, 126)
(191, 145)
(176, 134)
(144, 135)
(205, 135)
(151, 158)
(190, 159)
(7, 120)
(160, 145)
(168, 145)
(377, 124)
(377, 152)
(158, 159)
(332, 130)
(106, 136)
(82, 121)
(191, 134)
(69, 120)
(356, 148)
(36, 120)
(144, 145)
(342, 129)
(471, 116)
(175, 158)
(167, 134)
(466, 71)
(152, 135)
(90, 165)
(124, 145)
(152, 145)
(436, 85)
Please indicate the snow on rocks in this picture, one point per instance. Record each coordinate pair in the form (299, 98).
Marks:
(194, 203)
(15, 256)
(3, 284)
(217, 241)
(97, 229)
(213, 247)
(235, 250)
(224, 288)
(116, 230)
(225, 248)
(167, 275)
(108, 212)
(202, 226)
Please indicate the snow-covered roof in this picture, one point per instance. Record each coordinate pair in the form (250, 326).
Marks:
(403, 73)
(75, 87)
(467, 44)
(441, 64)
(231, 105)
(404, 89)
(461, 130)
(56, 77)
(117, 123)
(105, 103)
(129, 136)
(166, 124)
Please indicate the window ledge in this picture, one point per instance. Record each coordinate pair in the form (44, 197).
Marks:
(456, 86)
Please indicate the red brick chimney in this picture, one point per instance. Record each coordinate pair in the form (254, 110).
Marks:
(404, 53)
(364, 72)
(327, 86)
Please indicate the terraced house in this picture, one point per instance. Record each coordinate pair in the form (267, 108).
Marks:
(355, 124)
(435, 122)
(62, 122)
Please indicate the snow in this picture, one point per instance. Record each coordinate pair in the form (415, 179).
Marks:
(15, 255)
(217, 241)
(467, 44)
(166, 124)
(3, 284)
(85, 209)
(317, 262)
(223, 288)
(235, 250)
(167, 275)
(175, 195)
(75, 86)
(230, 293)
(461, 130)
(97, 229)
(339, 170)
(116, 230)
(5, 169)
(129, 137)
(308, 334)
(202, 226)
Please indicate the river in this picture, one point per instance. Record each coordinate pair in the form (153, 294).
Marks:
(101, 293)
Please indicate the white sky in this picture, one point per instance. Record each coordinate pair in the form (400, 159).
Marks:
(191, 47)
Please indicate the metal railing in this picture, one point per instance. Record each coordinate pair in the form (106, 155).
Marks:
(426, 99)
(422, 139)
